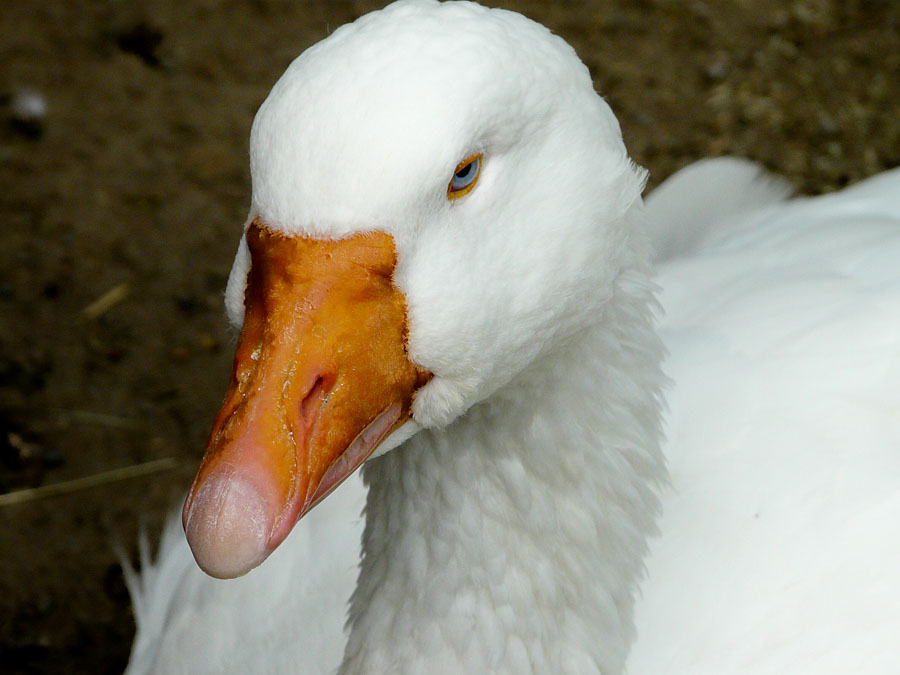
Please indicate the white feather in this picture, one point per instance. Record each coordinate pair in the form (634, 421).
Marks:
(779, 551)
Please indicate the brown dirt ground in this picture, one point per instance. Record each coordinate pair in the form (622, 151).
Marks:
(138, 175)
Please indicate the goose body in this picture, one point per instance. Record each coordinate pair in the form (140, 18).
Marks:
(510, 516)
(776, 553)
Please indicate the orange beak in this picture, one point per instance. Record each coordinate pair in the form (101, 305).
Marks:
(321, 377)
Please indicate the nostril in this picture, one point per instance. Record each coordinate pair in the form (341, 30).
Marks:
(309, 406)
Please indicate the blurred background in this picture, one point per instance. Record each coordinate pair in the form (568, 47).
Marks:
(124, 184)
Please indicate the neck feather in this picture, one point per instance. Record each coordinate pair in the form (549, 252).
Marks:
(512, 540)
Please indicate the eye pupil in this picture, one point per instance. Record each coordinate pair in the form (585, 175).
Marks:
(463, 172)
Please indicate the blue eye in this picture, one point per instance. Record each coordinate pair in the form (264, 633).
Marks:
(464, 177)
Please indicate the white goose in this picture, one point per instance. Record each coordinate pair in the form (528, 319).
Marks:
(501, 328)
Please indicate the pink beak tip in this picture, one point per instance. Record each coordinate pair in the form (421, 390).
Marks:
(227, 523)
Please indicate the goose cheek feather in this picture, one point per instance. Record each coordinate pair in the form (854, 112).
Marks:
(321, 376)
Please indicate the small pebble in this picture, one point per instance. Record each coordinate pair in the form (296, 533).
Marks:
(717, 69)
(27, 105)
(828, 125)
(28, 109)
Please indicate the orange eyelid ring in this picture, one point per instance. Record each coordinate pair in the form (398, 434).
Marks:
(456, 193)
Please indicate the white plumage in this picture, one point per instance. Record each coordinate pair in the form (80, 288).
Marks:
(509, 532)
(778, 551)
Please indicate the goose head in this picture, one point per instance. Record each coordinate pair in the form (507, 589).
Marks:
(439, 201)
